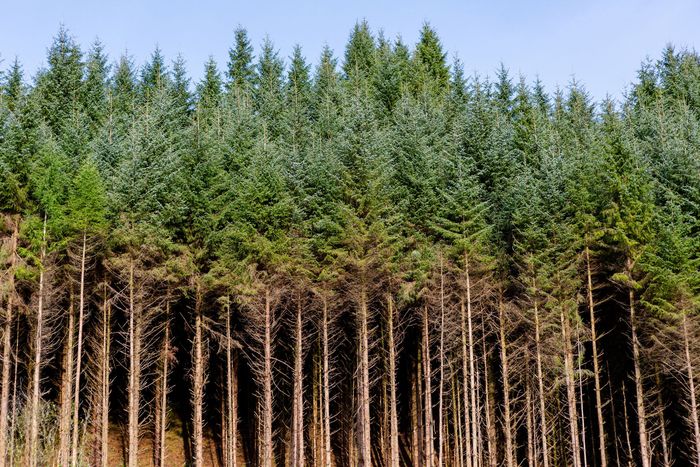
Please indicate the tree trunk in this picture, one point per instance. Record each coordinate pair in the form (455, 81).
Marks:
(441, 368)
(162, 392)
(33, 444)
(326, 388)
(488, 394)
(529, 425)
(427, 394)
(78, 358)
(508, 431)
(267, 386)
(691, 388)
(570, 389)
(298, 400)
(231, 409)
(64, 446)
(469, 418)
(363, 434)
(540, 387)
(639, 388)
(393, 415)
(134, 371)
(596, 365)
(7, 345)
(198, 380)
(662, 424)
(104, 379)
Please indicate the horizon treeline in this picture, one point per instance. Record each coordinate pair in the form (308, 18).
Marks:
(373, 260)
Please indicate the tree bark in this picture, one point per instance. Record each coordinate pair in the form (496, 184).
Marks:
(363, 434)
(104, 379)
(508, 431)
(441, 368)
(691, 388)
(639, 388)
(540, 386)
(267, 386)
(596, 365)
(64, 446)
(33, 444)
(298, 399)
(326, 387)
(427, 394)
(7, 345)
(570, 389)
(393, 415)
(231, 409)
(469, 417)
(78, 357)
(134, 371)
(198, 380)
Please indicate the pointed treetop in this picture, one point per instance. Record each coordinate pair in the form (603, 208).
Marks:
(13, 86)
(431, 58)
(360, 52)
(209, 90)
(241, 70)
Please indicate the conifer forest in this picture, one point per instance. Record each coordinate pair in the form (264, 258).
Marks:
(371, 258)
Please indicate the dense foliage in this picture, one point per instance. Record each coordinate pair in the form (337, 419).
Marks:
(372, 261)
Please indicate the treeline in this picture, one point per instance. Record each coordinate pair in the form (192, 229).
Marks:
(371, 261)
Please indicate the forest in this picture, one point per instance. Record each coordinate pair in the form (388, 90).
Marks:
(374, 260)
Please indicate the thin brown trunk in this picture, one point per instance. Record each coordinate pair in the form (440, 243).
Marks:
(198, 380)
(134, 371)
(662, 424)
(596, 365)
(570, 389)
(267, 386)
(162, 393)
(639, 388)
(364, 436)
(540, 387)
(691, 388)
(67, 389)
(231, 409)
(78, 358)
(33, 445)
(441, 368)
(529, 426)
(326, 388)
(7, 345)
(628, 435)
(298, 400)
(508, 430)
(469, 404)
(427, 394)
(489, 395)
(104, 390)
(393, 415)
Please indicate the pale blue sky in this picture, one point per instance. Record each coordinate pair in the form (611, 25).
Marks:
(601, 43)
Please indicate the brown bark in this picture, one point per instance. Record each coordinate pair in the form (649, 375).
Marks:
(298, 399)
(507, 419)
(596, 364)
(691, 389)
(7, 344)
(393, 415)
(78, 357)
(67, 390)
(326, 387)
(231, 409)
(267, 460)
(639, 388)
(540, 387)
(441, 368)
(198, 380)
(570, 389)
(104, 379)
(134, 389)
(469, 404)
(364, 444)
(428, 459)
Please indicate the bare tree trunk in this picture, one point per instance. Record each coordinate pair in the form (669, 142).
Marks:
(628, 436)
(691, 388)
(162, 392)
(529, 425)
(267, 385)
(662, 425)
(469, 418)
(490, 411)
(596, 364)
(416, 425)
(393, 415)
(427, 394)
(104, 379)
(198, 380)
(570, 389)
(7, 345)
(639, 388)
(441, 368)
(33, 444)
(231, 409)
(14, 400)
(580, 397)
(364, 436)
(78, 358)
(134, 371)
(540, 387)
(67, 390)
(326, 387)
(298, 400)
(508, 431)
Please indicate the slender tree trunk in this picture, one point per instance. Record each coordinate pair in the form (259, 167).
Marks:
(78, 357)
(33, 444)
(393, 415)
(427, 394)
(326, 387)
(490, 410)
(162, 392)
(7, 345)
(364, 436)
(468, 341)
(596, 364)
(508, 431)
(267, 460)
(104, 379)
(441, 367)
(198, 380)
(639, 388)
(231, 409)
(298, 401)
(662, 424)
(691, 388)
(64, 446)
(628, 435)
(13, 420)
(540, 387)
(580, 398)
(529, 425)
(134, 371)
(570, 389)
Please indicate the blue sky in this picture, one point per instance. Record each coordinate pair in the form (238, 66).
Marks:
(600, 43)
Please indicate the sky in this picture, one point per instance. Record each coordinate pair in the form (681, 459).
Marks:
(599, 43)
